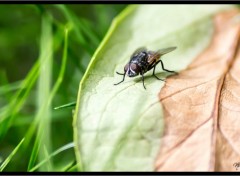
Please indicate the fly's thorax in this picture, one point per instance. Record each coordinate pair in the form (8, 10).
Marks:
(143, 64)
(139, 57)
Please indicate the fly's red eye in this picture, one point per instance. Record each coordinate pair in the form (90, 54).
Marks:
(133, 66)
(126, 68)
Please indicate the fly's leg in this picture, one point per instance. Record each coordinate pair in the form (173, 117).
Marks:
(143, 79)
(120, 73)
(154, 71)
(122, 79)
(164, 68)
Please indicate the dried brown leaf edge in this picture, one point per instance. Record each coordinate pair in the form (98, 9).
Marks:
(202, 106)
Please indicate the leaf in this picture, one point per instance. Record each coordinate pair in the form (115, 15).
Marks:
(201, 106)
(118, 128)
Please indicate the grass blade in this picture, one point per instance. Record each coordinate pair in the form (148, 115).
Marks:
(44, 87)
(8, 159)
(69, 166)
(73, 168)
(61, 149)
(52, 93)
(65, 106)
(8, 113)
(34, 153)
(79, 29)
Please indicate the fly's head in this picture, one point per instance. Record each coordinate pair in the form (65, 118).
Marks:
(132, 69)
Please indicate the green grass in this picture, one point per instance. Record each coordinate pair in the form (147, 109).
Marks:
(45, 50)
(8, 159)
(63, 148)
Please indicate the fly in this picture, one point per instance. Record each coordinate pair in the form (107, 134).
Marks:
(142, 60)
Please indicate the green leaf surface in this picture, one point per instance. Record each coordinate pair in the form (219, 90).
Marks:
(119, 128)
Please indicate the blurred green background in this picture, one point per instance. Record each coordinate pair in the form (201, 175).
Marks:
(44, 52)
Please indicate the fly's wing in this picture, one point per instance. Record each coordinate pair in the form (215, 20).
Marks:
(155, 56)
(166, 50)
(141, 49)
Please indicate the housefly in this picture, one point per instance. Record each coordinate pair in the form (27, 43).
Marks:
(142, 60)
